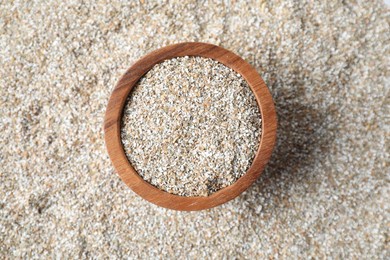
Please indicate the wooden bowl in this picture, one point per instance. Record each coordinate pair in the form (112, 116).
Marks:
(112, 126)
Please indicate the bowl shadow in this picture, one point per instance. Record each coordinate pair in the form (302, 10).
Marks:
(301, 136)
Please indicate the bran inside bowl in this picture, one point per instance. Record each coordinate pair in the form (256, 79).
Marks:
(191, 126)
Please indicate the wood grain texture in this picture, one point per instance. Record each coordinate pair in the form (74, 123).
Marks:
(112, 126)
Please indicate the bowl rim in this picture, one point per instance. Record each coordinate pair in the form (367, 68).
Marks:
(116, 103)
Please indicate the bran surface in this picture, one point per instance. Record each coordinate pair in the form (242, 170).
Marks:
(191, 126)
(325, 192)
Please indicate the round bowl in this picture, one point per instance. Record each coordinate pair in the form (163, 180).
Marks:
(112, 126)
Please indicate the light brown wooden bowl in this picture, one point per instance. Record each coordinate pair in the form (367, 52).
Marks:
(112, 126)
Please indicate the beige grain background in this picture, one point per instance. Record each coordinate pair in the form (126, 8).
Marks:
(324, 194)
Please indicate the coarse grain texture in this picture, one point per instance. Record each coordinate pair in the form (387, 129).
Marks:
(324, 194)
(191, 126)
